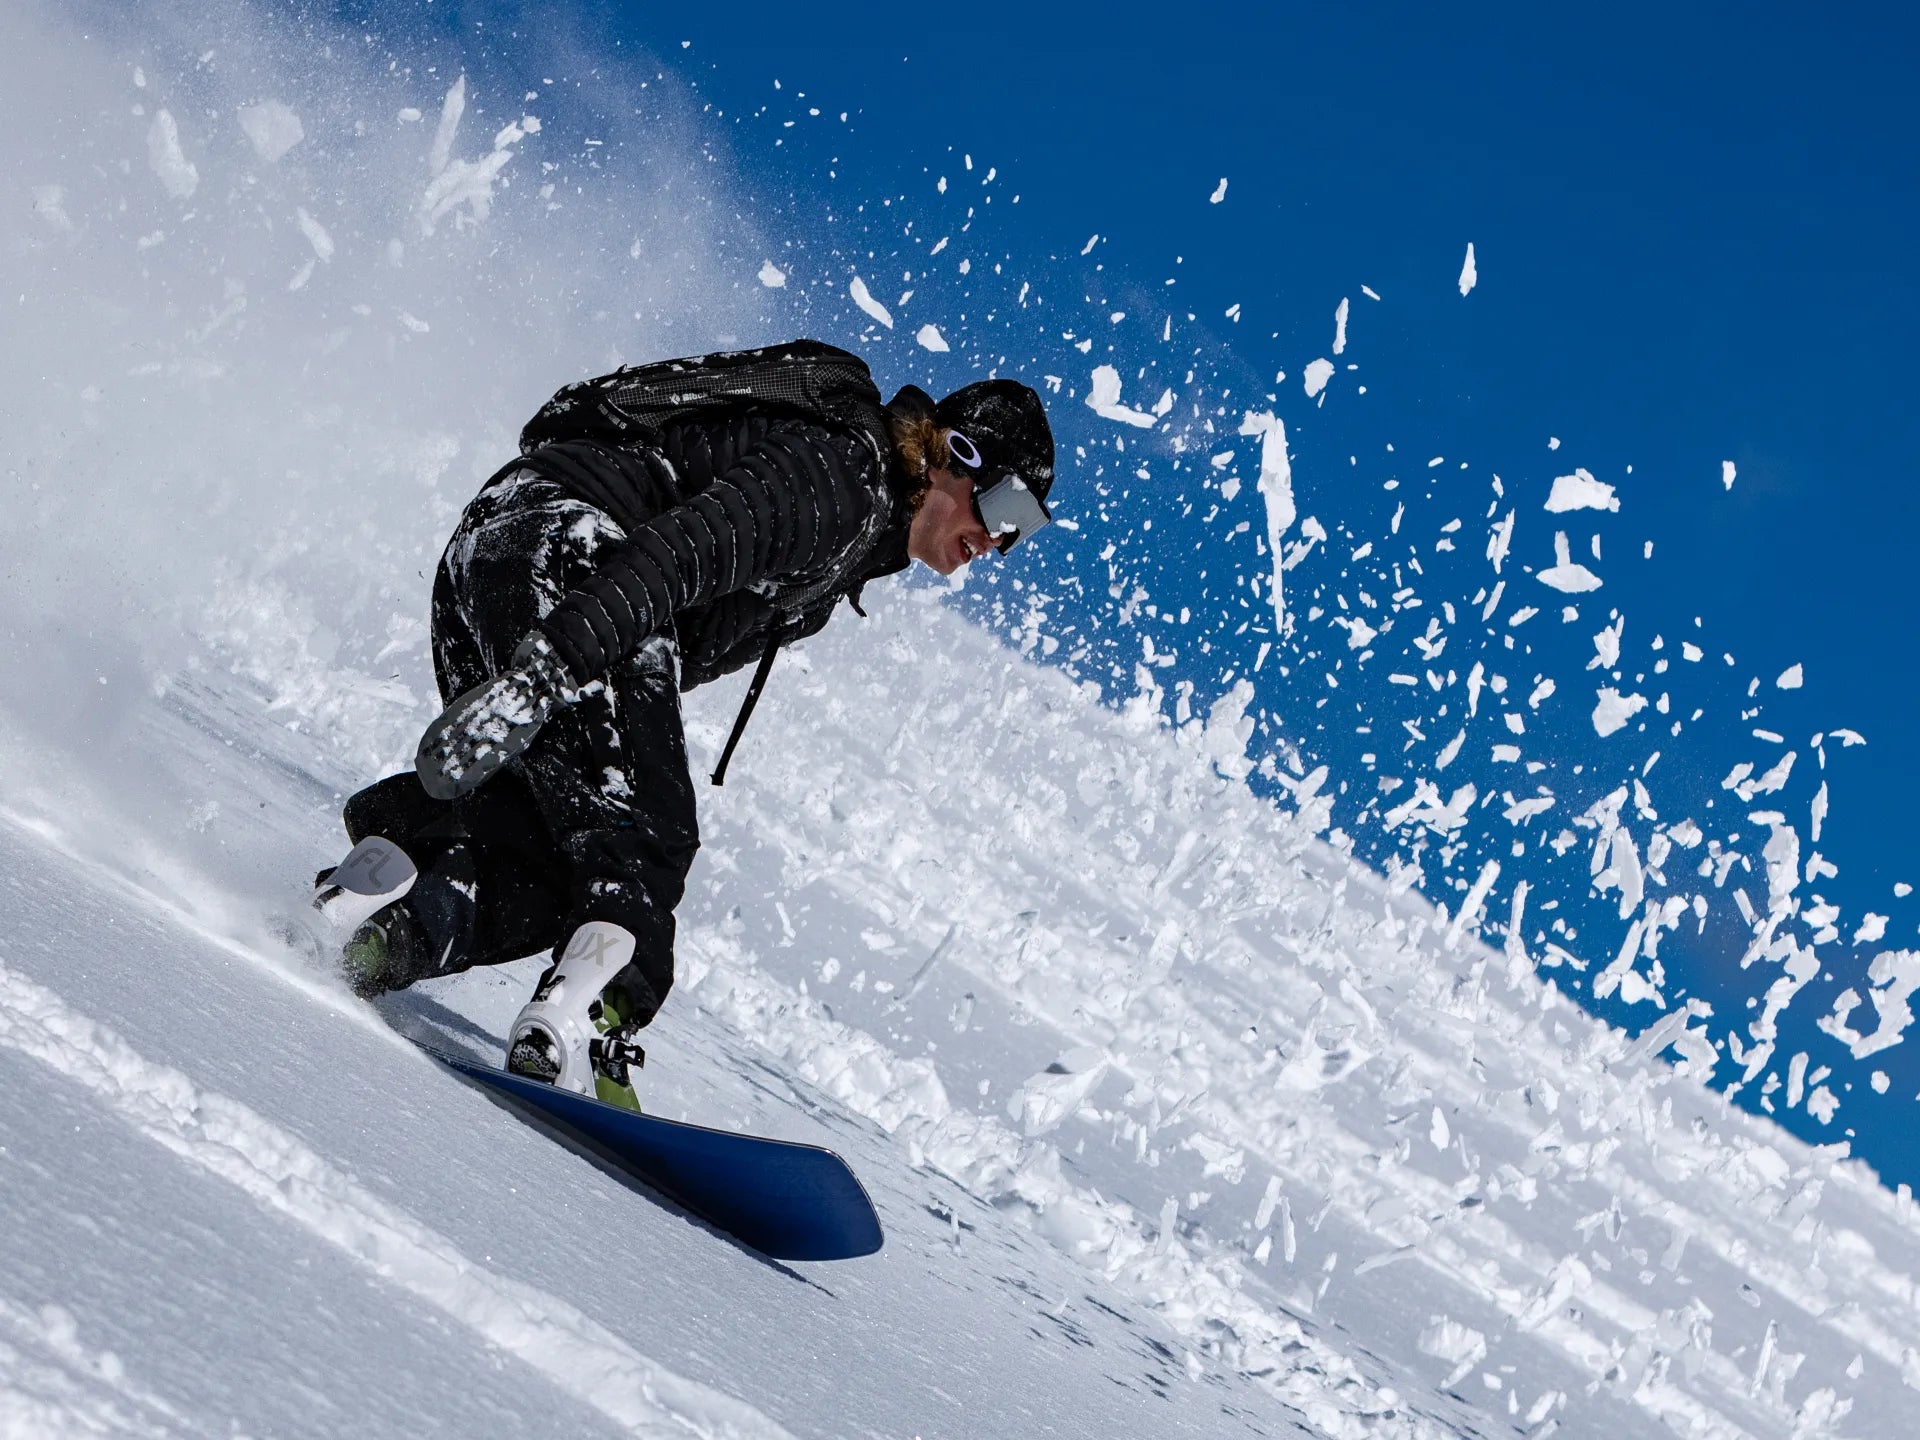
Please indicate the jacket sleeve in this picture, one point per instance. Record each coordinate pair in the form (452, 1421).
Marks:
(787, 503)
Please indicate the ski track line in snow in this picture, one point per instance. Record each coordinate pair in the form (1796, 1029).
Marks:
(232, 1142)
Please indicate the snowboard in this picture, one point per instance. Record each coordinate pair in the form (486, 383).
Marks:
(786, 1200)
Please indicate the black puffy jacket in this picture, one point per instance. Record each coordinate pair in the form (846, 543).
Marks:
(739, 531)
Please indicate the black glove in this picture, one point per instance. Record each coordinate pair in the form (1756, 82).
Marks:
(494, 722)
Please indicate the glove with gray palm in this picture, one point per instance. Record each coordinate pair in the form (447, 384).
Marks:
(494, 722)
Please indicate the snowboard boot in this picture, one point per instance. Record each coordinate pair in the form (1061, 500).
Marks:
(356, 913)
(570, 1034)
(386, 953)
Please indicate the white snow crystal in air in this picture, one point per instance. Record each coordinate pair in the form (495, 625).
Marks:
(1607, 646)
(1228, 729)
(1615, 710)
(772, 276)
(1727, 473)
(468, 183)
(1459, 1345)
(1276, 488)
(50, 204)
(930, 338)
(1873, 927)
(1340, 327)
(1499, 539)
(1359, 633)
(1219, 191)
(316, 234)
(1104, 400)
(1469, 275)
(1316, 376)
(273, 129)
(164, 157)
(1427, 808)
(1057, 1092)
(858, 289)
(1791, 678)
(1580, 491)
(1895, 975)
(1565, 574)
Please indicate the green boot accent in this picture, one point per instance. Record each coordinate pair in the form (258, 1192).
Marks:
(612, 1055)
(615, 1092)
(366, 959)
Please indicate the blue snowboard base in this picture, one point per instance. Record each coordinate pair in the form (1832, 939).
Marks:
(788, 1201)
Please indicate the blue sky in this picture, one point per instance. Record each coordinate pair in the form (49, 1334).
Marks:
(1690, 226)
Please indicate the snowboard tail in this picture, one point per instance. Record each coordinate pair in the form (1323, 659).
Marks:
(788, 1201)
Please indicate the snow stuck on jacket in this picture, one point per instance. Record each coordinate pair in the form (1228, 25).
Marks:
(1182, 1118)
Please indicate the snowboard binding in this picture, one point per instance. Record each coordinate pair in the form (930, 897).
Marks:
(567, 1035)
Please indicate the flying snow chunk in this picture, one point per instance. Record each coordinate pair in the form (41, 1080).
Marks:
(50, 204)
(1317, 375)
(1566, 574)
(1053, 1096)
(772, 276)
(867, 303)
(1580, 491)
(170, 166)
(1458, 1345)
(930, 338)
(1727, 473)
(316, 234)
(1469, 276)
(1104, 400)
(1791, 678)
(273, 129)
(1276, 488)
(1219, 191)
(1615, 710)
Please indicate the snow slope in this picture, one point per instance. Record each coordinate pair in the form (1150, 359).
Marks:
(1316, 1165)
(1180, 1122)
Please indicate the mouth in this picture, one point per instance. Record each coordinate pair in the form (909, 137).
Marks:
(967, 552)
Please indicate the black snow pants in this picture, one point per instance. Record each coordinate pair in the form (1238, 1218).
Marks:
(597, 820)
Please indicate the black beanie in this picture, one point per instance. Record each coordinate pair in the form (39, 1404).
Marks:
(1007, 424)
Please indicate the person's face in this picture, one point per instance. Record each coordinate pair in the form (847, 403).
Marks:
(945, 533)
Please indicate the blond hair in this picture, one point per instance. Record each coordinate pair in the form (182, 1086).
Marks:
(922, 446)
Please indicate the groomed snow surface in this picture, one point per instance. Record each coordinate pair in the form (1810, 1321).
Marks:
(1178, 1122)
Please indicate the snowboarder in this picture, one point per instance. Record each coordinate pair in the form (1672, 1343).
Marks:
(662, 526)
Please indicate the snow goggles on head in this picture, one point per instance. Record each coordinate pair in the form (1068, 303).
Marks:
(1006, 506)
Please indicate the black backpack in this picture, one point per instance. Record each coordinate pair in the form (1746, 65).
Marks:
(633, 404)
(808, 378)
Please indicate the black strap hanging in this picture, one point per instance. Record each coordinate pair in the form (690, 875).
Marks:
(746, 706)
